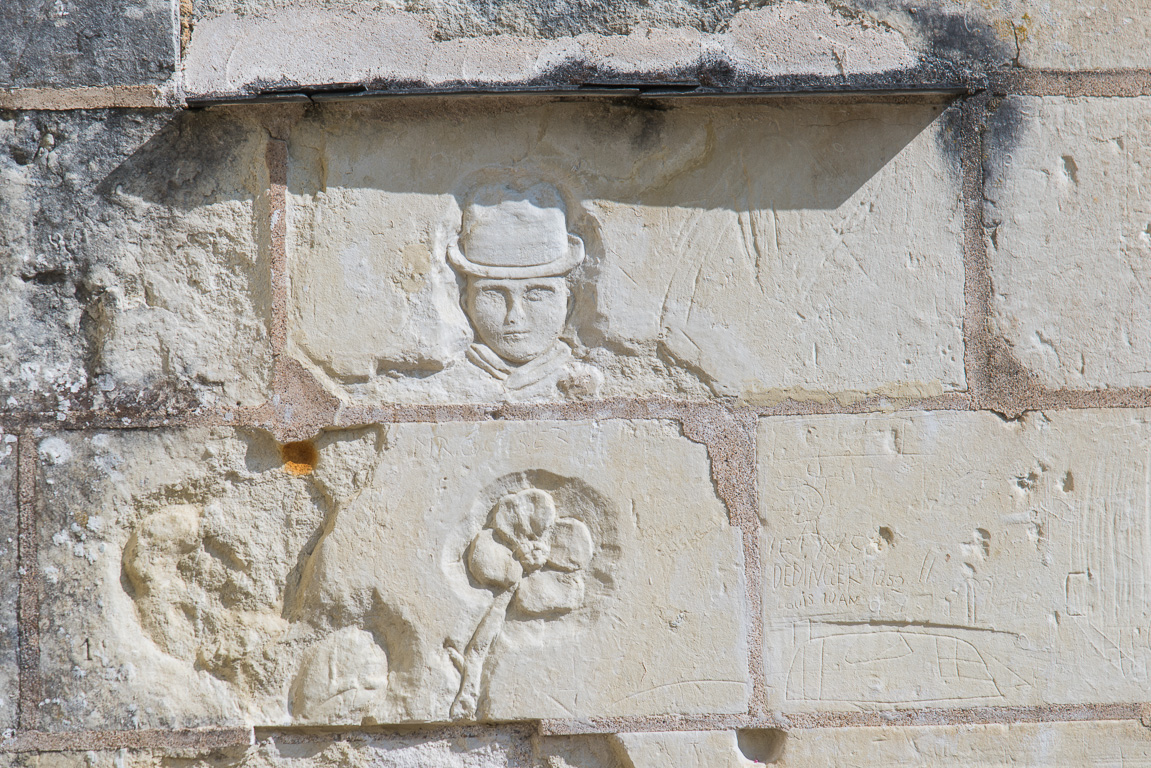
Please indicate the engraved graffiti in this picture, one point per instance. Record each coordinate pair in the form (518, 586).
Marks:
(533, 560)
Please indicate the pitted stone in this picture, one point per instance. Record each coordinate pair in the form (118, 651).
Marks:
(133, 266)
(411, 573)
(953, 559)
(1069, 227)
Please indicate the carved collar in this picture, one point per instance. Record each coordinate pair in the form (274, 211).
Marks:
(519, 376)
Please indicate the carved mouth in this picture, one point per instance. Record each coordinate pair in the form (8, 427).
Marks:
(515, 335)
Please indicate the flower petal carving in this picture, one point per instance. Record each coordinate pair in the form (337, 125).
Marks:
(550, 592)
(524, 516)
(571, 545)
(492, 563)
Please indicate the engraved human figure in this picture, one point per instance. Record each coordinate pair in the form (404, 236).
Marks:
(515, 252)
(534, 562)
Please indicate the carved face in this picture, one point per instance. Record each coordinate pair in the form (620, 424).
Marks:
(518, 319)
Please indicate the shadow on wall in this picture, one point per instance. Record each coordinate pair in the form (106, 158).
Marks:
(681, 213)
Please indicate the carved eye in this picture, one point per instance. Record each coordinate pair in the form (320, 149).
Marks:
(539, 294)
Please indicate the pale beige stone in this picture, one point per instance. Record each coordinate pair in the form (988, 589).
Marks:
(419, 573)
(428, 748)
(955, 559)
(1106, 744)
(755, 252)
(1069, 34)
(1070, 237)
(635, 610)
(1115, 744)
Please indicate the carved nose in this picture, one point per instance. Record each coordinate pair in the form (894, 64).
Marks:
(515, 312)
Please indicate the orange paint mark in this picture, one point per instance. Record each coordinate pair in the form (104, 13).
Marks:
(300, 458)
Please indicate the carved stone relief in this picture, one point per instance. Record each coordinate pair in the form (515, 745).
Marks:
(558, 252)
(412, 573)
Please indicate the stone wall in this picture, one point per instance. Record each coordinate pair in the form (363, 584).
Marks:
(575, 385)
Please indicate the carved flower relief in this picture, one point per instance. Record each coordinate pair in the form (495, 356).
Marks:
(528, 548)
(533, 561)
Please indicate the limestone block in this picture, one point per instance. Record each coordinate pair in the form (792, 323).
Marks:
(1070, 237)
(86, 43)
(9, 685)
(404, 574)
(1106, 744)
(438, 44)
(430, 748)
(756, 252)
(131, 259)
(1110, 744)
(955, 559)
(1066, 34)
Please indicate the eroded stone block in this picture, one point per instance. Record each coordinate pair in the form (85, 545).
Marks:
(754, 252)
(401, 574)
(491, 747)
(1070, 237)
(955, 559)
(9, 581)
(131, 260)
(86, 43)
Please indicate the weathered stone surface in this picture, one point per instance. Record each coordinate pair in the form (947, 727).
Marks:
(954, 559)
(754, 252)
(1066, 34)
(443, 44)
(419, 572)
(86, 43)
(9, 581)
(428, 748)
(238, 46)
(131, 259)
(1116, 744)
(1070, 237)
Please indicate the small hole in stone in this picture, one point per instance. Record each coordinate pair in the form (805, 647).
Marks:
(761, 745)
(300, 457)
(887, 535)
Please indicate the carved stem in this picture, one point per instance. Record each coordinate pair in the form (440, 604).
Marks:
(471, 664)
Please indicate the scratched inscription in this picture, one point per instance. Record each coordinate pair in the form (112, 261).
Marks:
(956, 558)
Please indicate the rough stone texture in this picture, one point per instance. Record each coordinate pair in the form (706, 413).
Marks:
(242, 45)
(86, 42)
(1070, 237)
(131, 260)
(317, 43)
(8, 581)
(955, 559)
(754, 252)
(196, 561)
(433, 748)
(1066, 34)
